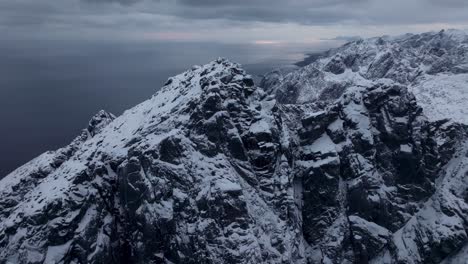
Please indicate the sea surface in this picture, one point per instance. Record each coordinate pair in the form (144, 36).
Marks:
(50, 89)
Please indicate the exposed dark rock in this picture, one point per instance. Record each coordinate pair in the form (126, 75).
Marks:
(335, 162)
(336, 65)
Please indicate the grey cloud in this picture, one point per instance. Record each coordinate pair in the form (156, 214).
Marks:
(128, 16)
(260, 14)
(297, 11)
(122, 2)
(266, 3)
(25, 13)
(312, 12)
(308, 12)
(448, 3)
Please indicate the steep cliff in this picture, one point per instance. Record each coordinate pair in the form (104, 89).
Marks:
(335, 162)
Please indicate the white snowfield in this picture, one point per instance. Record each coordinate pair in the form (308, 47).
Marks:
(443, 96)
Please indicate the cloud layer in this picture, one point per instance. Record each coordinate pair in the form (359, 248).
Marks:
(245, 20)
(309, 12)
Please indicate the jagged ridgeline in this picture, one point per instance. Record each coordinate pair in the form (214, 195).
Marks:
(359, 157)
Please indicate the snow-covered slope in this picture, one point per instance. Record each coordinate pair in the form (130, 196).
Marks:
(337, 167)
(434, 66)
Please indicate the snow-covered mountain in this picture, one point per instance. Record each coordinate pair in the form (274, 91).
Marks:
(434, 66)
(359, 157)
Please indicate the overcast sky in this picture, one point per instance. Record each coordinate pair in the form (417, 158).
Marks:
(262, 22)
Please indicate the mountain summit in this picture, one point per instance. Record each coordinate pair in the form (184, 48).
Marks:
(359, 157)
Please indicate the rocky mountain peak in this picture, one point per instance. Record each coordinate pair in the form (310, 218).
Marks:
(99, 121)
(335, 162)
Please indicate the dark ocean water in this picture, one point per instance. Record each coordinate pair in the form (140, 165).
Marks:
(49, 90)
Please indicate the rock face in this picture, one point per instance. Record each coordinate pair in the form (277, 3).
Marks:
(213, 169)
